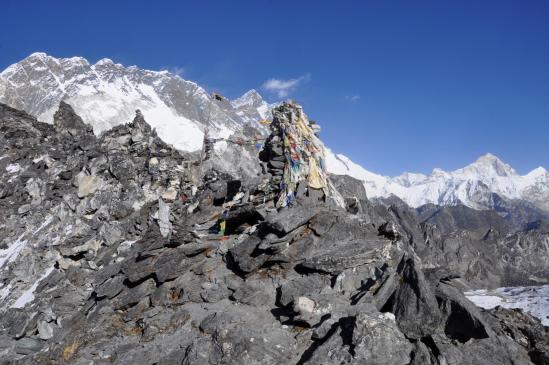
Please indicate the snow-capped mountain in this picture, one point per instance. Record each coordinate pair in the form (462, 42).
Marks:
(473, 185)
(106, 94)
(251, 107)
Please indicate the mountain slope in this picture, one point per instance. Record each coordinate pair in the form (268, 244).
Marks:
(111, 251)
(106, 94)
(177, 108)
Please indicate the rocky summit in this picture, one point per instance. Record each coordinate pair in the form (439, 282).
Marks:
(120, 249)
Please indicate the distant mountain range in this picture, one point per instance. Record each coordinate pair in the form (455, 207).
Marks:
(106, 94)
(480, 185)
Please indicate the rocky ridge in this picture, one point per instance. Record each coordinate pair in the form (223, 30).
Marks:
(106, 94)
(111, 252)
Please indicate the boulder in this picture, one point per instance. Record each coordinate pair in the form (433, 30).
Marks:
(87, 185)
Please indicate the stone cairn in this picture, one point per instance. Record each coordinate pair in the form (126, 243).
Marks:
(293, 156)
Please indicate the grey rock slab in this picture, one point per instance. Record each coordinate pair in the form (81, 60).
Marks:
(346, 256)
(88, 184)
(111, 287)
(67, 121)
(377, 340)
(414, 303)
(289, 219)
(45, 330)
(164, 222)
(302, 286)
(28, 345)
(135, 294)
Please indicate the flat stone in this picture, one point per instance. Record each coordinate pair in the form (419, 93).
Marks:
(88, 185)
(45, 330)
(164, 218)
(304, 304)
(28, 345)
(169, 195)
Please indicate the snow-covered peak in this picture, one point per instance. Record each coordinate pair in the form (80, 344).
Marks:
(44, 57)
(249, 98)
(488, 157)
(487, 166)
(471, 185)
(104, 61)
(539, 172)
(251, 103)
(107, 93)
(108, 63)
(37, 55)
(439, 173)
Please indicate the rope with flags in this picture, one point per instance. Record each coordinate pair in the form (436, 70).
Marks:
(210, 142)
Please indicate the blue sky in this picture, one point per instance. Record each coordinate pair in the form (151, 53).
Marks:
(396, 85)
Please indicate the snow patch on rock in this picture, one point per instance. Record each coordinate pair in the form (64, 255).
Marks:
(13, 168)
(10, 254)
(28, 295)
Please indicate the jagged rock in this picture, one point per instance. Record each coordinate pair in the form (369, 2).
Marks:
(302, 286)
(133, 269)
(525, 330)
(377, 340)
(244, 336)
(91, 245)
(253, 293)
(134, 296)
(413, 303)
(65, 120)
(352, 190)
(110, 288)
(344, 257)
(289, 219)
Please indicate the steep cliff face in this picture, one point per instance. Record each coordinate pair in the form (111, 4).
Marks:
(122, 249)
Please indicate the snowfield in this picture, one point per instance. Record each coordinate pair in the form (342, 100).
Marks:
(531, 299)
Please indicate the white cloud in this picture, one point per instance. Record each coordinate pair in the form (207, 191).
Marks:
(283, 88)
(175, 70)
(353, 98)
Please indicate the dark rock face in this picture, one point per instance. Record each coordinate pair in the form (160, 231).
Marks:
(484, 248)
(111, 252)
(352, 190)
(66, 121)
